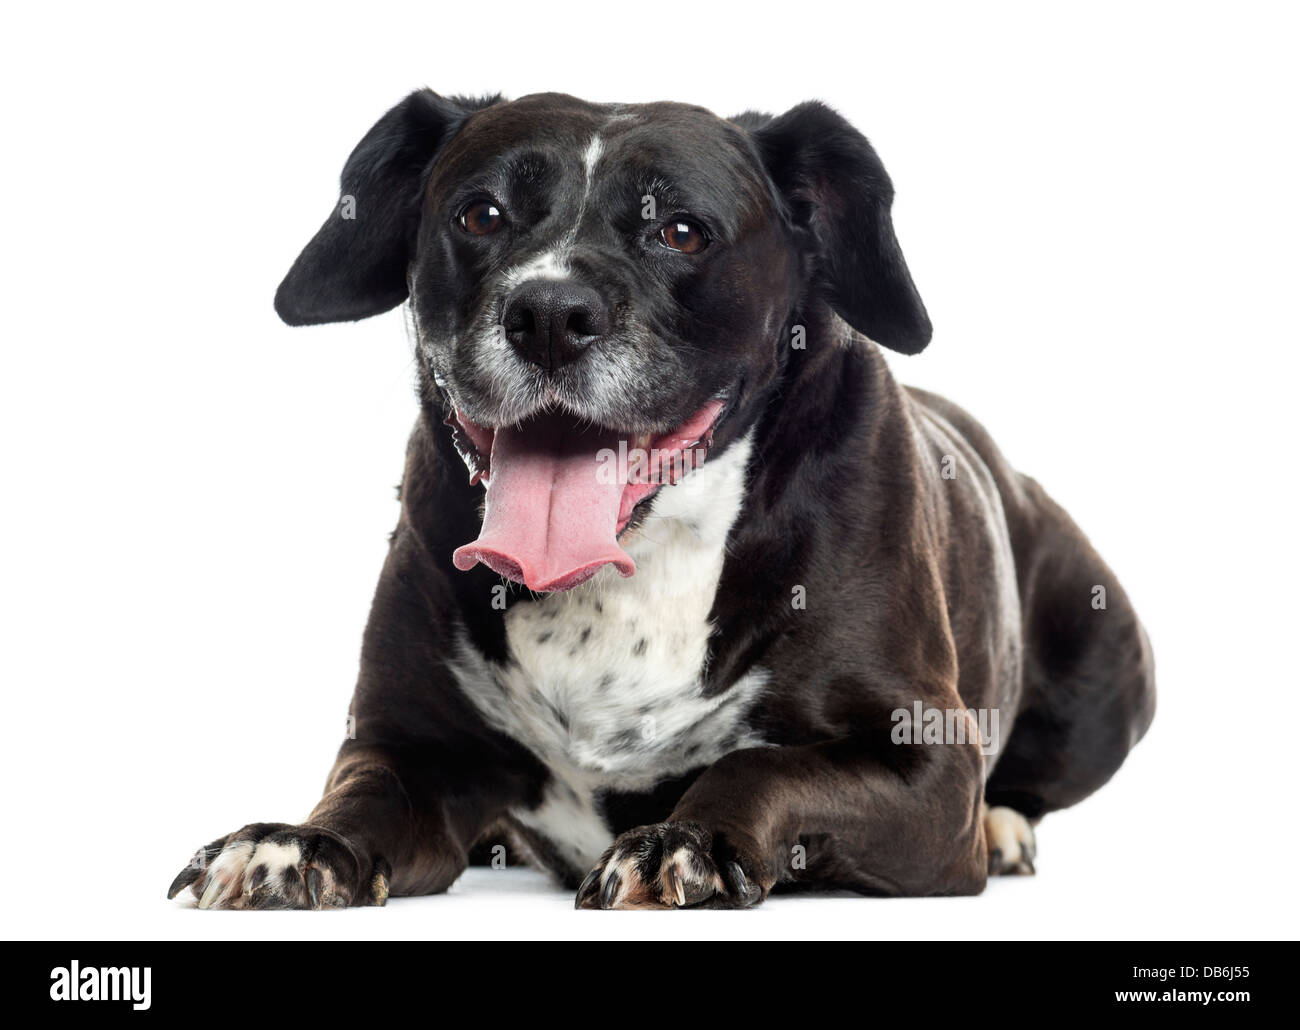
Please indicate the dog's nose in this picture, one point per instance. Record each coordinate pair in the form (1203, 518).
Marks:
(551, 322)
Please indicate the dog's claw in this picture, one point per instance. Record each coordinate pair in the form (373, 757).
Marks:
(379, 889)
(193, 872)
(210, 893)
(381, 874)
(676, 886)
(738, 884)
(314, 881)
(183, 879)
(609, 892)
(588, 888)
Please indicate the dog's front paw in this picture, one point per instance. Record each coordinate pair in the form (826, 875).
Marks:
(274, 865)
(671, 865)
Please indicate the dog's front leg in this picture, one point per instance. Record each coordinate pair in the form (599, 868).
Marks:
(841, 814)
(345, 852)
(412, 788)
(388, 823)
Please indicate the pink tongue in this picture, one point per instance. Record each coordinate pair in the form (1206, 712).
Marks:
(552, 507)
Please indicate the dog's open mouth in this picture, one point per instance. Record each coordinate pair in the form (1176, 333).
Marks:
(560, 491)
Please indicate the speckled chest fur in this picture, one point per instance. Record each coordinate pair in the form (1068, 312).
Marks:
(604, 682)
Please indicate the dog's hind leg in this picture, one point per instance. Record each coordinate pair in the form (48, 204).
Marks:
(1010, 842)
(1089, 681)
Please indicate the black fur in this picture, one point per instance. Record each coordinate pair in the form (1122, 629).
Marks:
(845, 499)
(355, 266)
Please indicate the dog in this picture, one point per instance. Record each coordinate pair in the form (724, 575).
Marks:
(689, 601)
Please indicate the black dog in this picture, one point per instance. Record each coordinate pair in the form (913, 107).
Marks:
(852, 649)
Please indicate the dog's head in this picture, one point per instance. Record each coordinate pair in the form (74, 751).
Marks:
(601, 293)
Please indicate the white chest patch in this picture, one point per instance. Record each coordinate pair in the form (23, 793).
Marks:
(604, 681)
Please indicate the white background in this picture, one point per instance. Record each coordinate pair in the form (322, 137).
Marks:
(1099, 206)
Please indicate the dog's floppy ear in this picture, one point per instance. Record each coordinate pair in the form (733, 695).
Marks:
(355, 266)
(839, 193)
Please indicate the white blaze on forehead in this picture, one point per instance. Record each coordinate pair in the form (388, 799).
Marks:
(594, 149)
(589, 160)
(554, 263)
(550, 264)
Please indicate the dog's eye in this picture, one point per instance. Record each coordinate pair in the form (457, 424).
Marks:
(684, 237)
(481, 218)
